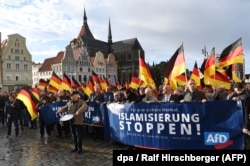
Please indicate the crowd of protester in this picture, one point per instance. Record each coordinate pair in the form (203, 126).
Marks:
(13, 110)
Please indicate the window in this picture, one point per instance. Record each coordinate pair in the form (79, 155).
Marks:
(17, 66)
(25, 67)
(17, 58)
(17, 78)
(8, 66)
(80, 78)
(24, 58)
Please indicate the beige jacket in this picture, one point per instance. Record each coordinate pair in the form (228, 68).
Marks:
(80, 107)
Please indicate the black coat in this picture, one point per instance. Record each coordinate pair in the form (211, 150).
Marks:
(13, 109)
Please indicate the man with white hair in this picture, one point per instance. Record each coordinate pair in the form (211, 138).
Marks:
(150, 96)
(76, 106)
(168, 95)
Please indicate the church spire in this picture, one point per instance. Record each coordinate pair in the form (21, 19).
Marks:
(84, 18)
(109, 38)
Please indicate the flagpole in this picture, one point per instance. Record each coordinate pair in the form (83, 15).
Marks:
(185, 64)
(139, 66)
(214, 67)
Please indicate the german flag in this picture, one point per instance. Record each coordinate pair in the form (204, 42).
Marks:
(54, 83)
(75, 83)
(35, 92)
(95, 78)
(195, 75)
(89, 87)
(144, 74)
(29, 101)
(66, 83)
(232, 73)
(83, 86)
(175, 67)
(209, 69)
(181, 79)
(135, 82)
(232, 54)
(42, 84)
(104, 84)
(221, 78)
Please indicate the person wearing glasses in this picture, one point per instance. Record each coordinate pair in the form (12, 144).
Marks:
(193, 94)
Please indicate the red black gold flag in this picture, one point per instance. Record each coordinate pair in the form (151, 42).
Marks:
(175, 67)
(135, 83)
(89, 87)
(55, 82)
(95, 77)
(75, 83)
(42, 84)
(195, 75)
(209, 68)
(66, 83)
(144, 74)
(29, 101)
(232, 54)
(36, 93)
(232, 73)
(221, 78)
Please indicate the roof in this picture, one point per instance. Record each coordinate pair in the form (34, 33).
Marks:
(126, 45)
(46, 66)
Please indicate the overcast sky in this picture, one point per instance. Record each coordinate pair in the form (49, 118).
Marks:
(161, 26)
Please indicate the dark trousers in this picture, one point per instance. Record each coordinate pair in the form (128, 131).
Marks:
(77, 133)
(2, 116)
(63, 126)
(43, 127)
(247, 142)
(9, 125)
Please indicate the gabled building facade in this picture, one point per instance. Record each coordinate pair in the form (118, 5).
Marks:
(126, 52)
(16, 64)
(111, 69)
(99, 65)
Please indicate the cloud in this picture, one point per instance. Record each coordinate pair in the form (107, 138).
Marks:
(49, 25)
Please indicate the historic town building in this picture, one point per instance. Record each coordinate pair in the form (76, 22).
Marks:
(126, 52)
(114, 61)
(52, 64)
(35, 73)
(16, 69)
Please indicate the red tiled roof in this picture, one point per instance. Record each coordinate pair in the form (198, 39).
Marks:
(50, 61)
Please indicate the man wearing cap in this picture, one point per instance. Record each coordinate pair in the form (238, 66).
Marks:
(76, 106)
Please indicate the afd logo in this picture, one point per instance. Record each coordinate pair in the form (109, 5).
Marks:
(213, 138)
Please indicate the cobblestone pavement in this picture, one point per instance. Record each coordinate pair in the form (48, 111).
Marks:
(29, 149)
